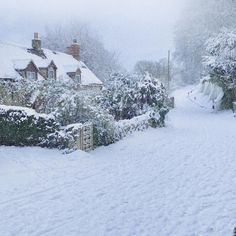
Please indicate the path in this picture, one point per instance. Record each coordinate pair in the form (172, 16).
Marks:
(179, 180)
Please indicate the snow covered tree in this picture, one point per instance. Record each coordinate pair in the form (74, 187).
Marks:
(200, 20)
(220, 63)
(221, 59)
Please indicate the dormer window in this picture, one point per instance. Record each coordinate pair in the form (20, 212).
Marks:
(31, 75)
(78, 78)
(51, 73)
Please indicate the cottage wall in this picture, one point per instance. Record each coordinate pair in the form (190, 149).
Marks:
(44, 72)
(93, 88)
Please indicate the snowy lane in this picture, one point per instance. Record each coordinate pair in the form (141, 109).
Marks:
(179, 180)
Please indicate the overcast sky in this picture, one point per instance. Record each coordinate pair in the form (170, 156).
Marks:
(137, 29)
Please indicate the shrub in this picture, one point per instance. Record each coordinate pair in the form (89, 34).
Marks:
(24, 127)
(67, 137)
(130, 97)
(220, 64)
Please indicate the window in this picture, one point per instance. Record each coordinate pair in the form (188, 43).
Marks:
(78, 77)
(51, 73)
(31, 75)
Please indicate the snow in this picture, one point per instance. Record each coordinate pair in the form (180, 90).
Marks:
(87, 76)
(222, 53)
(27, 111)
(207, 94)
(178, 180)
(69, 64)
(17, 57)
(21, 64)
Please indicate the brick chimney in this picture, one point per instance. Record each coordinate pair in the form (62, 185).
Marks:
(36, 42)
(74, 50)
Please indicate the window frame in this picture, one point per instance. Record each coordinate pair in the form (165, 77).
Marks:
(78, 77)
(52, 72)
(31, 75)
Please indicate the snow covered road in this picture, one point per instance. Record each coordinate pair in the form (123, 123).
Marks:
(179, 180)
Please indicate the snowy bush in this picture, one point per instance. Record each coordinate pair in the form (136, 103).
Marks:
(81, 109)
(125, 99)
(24, 127)
(67, 137)
(221, 60)
(220, 63)
(130, 97)
(69, 106)
(17, 93)
(21, 126)
(126, 127)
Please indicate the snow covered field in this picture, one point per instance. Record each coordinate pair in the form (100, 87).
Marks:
(179, 180)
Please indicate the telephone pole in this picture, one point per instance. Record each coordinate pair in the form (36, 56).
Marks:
(168, 72)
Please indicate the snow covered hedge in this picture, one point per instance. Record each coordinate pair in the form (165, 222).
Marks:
(20, 126)
(24, 127)
(126, 127)
(67, 137)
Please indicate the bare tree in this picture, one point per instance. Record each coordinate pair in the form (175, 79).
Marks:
(100, 60)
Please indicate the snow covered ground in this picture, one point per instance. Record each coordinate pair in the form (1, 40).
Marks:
(179, 180)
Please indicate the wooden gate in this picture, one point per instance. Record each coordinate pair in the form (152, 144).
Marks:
(86, 137)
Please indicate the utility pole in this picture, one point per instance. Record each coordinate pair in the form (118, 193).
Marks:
(168, 72)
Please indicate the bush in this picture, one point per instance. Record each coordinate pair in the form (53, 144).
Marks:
(76, 109)
(24, 127)
(220, 64)
(130, 97)
(66, 138)
(123, 100)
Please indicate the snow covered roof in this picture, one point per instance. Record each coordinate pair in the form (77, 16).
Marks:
(14, 57)
(21, 64)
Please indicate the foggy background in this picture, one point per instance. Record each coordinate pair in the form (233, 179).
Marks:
(136, 29)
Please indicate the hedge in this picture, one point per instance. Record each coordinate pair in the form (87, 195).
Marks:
(24, 127)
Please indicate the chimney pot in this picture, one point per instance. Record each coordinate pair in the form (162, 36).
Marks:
(36, 35)
(36, 42)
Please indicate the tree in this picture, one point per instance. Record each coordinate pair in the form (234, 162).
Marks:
(144, 66)
(220, 63)
(200, 20)
(101, 61)
(221, 58)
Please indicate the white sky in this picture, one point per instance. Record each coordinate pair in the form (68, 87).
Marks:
(137, 29)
